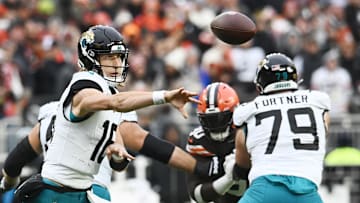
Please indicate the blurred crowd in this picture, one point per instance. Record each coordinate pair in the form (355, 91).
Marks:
(171, 45)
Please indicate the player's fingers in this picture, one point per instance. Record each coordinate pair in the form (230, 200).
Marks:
(129, 156)
(108, 150)
(192, 99)
(188, 93)
(183, 112)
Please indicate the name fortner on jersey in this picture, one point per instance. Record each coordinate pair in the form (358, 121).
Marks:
(285, 126)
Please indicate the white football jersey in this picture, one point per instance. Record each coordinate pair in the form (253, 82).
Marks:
(285, 133)
(78, 147)
(103, 177)
(46, 117)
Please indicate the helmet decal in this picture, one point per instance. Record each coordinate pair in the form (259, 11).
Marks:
(276, 72)
(88, 36)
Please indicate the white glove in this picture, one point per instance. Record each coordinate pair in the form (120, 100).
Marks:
(229, 165)
(225, 182)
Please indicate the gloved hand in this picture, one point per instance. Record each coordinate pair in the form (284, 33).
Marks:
(229, 165)
(209, 168)
(225, 182)
(8, 183)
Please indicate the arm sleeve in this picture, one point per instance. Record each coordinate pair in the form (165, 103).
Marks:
(22, 154)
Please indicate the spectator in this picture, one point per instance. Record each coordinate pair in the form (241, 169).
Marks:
(334, 80)
(245, 58)
(308, 60)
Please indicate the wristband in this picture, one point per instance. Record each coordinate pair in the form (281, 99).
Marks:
(158, 97)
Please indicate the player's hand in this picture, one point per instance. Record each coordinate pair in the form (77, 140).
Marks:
(8, 183)
(211, 168)
(118, 150)
(229, 165)
(179, 97)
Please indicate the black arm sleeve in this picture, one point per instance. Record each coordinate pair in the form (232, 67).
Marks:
(22, 154)
(157, 148)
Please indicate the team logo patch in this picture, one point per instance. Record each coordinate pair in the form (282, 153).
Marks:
(87, 37)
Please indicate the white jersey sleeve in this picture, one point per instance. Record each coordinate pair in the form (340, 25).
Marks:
(321, 100)
(242, 113)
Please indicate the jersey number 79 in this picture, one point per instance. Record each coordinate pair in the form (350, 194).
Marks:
(291, 113)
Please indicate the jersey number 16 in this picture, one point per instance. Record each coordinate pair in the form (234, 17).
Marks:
(100, 147)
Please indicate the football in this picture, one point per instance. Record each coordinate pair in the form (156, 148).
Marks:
(233, 27)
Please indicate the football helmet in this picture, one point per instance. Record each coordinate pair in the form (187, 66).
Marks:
(276, 72)
(98, 40)
(215, 110)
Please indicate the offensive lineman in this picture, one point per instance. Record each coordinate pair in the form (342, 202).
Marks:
(215, 140)
(285, 136)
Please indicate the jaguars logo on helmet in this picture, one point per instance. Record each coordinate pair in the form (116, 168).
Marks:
(99, 40)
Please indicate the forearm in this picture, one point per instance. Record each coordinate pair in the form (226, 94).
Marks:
(92, 100)
(242, 156)
(129, 101)
(182, 160)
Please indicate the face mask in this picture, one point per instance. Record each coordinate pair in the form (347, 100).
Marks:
(220, 136)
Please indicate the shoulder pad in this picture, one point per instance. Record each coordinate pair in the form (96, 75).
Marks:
(194, 145)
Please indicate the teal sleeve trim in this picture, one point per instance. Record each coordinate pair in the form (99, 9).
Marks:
(76, 119)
